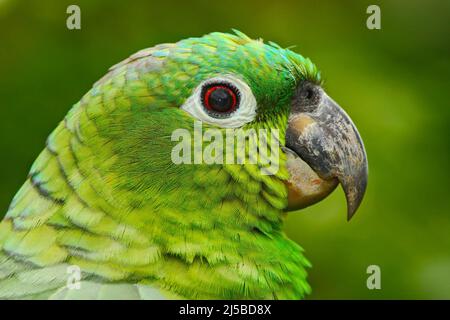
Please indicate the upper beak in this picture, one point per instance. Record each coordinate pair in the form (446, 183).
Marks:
(324, 136)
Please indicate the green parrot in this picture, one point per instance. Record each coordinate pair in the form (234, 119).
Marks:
(106, 212)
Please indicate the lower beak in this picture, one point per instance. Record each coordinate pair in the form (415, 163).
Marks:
(326, 139)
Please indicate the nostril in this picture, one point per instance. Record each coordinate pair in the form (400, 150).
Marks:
(308, 93)
(307, 97)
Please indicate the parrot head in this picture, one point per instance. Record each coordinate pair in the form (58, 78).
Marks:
(229, 82)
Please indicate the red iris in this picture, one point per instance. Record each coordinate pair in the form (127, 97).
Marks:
(220, 98)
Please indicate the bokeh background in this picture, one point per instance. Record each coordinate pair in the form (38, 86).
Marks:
(394, 83)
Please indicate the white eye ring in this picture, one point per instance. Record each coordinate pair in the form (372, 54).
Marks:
(244, 113)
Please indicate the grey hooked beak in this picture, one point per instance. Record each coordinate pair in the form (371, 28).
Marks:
(324, 136)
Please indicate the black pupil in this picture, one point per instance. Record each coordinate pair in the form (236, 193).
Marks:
(309, 94)
(220, 100)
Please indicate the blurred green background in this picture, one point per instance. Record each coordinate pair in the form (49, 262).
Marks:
(394, 83)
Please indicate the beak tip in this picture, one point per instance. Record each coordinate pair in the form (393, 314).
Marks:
(354, 197)
(350, 213)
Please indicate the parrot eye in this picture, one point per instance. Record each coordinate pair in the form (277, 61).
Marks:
(220, 98)
(225, 101)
